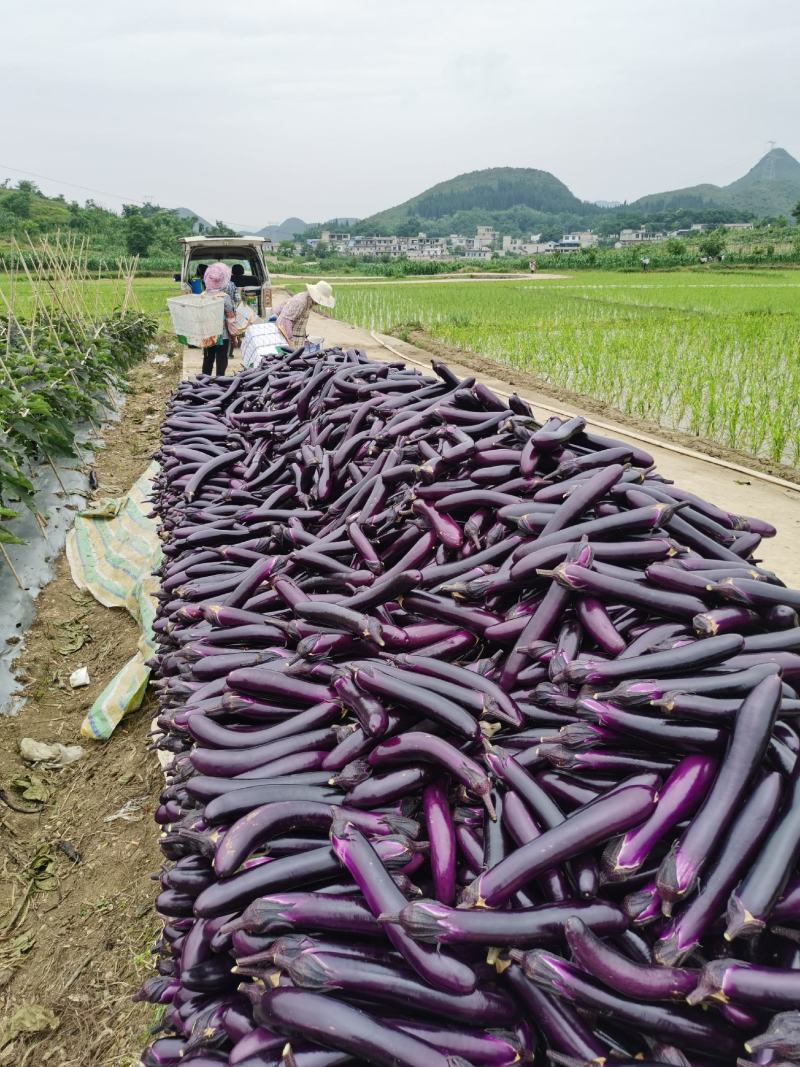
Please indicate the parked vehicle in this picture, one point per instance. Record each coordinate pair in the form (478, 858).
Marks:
(256, 289)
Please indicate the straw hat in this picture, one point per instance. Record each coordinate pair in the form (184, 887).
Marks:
(322, 293)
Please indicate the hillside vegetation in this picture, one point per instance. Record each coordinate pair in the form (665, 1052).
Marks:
(520, 196)
(148, 231)
(520, 200)
(771, 187)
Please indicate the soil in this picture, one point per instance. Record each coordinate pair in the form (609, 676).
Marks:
(76, 898)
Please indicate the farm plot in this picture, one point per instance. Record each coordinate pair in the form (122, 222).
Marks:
(711, 355)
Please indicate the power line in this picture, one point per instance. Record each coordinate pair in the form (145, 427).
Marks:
(86, 188)
(72, 185)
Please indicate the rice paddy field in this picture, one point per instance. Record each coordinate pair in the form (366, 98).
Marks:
(104, 294)
(715, 355)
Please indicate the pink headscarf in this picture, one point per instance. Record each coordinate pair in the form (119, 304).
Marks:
(216, 276)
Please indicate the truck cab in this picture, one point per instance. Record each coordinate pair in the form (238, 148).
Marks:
(256, 286)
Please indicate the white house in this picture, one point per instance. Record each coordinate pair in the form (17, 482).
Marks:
(486, 236)
(578, 240)
(629, 238)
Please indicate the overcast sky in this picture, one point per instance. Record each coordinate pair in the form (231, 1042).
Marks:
(257, 110)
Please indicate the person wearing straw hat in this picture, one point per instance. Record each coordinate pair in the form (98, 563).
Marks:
(293, 315)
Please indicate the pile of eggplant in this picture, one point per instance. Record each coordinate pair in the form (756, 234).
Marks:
(484, 738)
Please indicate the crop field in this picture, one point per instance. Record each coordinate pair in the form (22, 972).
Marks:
(105, 294)
(713, 355)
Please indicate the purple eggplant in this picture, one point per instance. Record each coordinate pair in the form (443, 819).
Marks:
(625, 807)
(386, 983)
(383, 789)
(661, 732)
(382, 897)
(681, 868)
(782, 1036)
(427, 920)
(563, 1028)
(419, 747)
(483, 1048)
(441, 834)
(307, 911)
(497, 704)
(747, 984)
(262, 823)
(325, 1021)
(687, 1029)
(750, 905)
(581, 579)
(423, 701)
(641, 981)
(681, 795)
(685, 930)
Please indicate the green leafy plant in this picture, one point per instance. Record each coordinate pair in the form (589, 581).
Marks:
(53, 379)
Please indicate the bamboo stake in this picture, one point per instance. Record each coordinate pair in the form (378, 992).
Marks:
(11, 566)
(57, 338)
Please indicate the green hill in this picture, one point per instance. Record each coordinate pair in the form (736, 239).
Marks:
(500, 196)
(520, 200)
(283, 231)
(26, 202)
(771, 187)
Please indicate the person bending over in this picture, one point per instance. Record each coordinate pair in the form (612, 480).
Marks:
(293, 315)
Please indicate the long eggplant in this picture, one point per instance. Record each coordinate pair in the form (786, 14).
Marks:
(750, 905)
(685, 861)
(685, 930)
(325, 1021)
(624, 807)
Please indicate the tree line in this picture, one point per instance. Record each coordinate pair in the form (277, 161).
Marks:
(144, 230)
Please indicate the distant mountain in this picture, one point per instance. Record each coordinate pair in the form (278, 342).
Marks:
(285, 231)
(521, 200)
(200, 225)
(490, 194)
(771, 187)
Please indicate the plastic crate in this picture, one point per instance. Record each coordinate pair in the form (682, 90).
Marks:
(198, 319)
(261, 339)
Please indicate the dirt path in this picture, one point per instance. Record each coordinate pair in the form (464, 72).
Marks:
(76, 899)
(679, 457)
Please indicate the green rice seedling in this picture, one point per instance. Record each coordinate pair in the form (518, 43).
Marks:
(713, 355)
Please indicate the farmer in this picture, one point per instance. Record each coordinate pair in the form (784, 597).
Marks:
(293, 315)
(217, 278)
